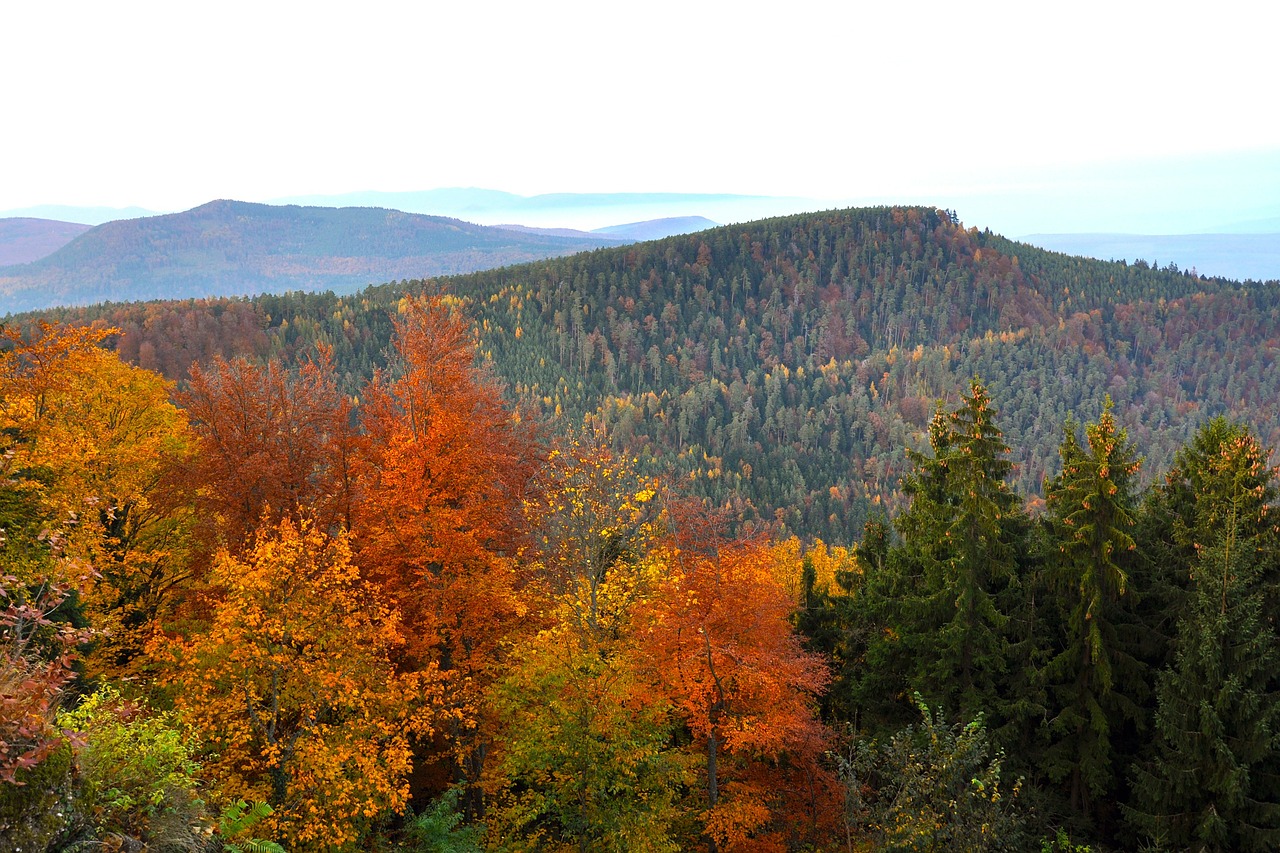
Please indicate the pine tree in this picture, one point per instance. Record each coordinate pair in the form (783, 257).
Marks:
(1212, 784)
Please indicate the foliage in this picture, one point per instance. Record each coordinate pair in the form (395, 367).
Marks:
(270, 441)
(236, 820)
(444, 473)
(136, 769)
(1061, 843)
(595, 524)
(438, 830)
(958, 547)
(1212, 782)
(293, 687)
(720, 639)
(1095, 679)
(586, 761)
(36, 660)
(89, 439)
(935, 786)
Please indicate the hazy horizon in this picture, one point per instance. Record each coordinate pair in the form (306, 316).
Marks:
(1024, 119)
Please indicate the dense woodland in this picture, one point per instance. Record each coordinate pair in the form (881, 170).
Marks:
(786, 366)
(708, 543)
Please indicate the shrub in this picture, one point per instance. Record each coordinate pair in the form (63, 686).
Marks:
(137, 774)
(935, 786)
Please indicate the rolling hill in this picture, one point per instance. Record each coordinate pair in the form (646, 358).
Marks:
(23, 239)
(782, 367)
(227, 248)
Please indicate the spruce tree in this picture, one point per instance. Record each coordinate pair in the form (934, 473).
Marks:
(958, 542)
(1094, 673)
(870, 689)
(1212, 784)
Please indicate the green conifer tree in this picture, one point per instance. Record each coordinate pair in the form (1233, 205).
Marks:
(1091, 678)
(1212, 784)
(958, 540)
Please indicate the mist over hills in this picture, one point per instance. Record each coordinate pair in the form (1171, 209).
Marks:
(77, 214)
(656, 229)
(584, 211)
(1238, 256)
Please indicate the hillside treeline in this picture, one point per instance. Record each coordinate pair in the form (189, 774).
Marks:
(274, 615)
(783, 367)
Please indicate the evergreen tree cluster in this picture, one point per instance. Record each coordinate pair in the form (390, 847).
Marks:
(1120, 646)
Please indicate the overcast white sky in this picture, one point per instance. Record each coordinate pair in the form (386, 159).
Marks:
(167, 105)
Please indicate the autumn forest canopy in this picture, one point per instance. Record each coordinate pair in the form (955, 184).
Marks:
(851, 530)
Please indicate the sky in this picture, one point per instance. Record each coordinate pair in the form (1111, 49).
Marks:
(1023, 117)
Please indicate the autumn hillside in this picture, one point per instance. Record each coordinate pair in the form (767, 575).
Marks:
(781, 366)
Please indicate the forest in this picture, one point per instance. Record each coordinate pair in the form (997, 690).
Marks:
(713, 551)
(786, 366)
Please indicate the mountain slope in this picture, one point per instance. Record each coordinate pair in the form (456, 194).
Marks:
(23, 239)
(656, 229)
(230, 248)
(782, 366)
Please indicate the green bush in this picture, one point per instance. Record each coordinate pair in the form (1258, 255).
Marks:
(137, 774)
(439, 829)
(935, 786)
(234, 827)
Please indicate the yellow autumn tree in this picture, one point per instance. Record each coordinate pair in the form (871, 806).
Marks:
(89, 439)
(294, 690)
(594, 520)
(586, 762)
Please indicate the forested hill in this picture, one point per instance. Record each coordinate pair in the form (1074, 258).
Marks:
(24, 239)
(782, 366)
(228, 248)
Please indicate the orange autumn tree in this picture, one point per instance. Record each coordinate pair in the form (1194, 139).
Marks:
(270, 440)
(720, 639)
(445, 470)
(294, 691)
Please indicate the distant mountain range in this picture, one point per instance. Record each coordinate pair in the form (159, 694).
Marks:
(584, 211)
(1236, 256)
(237, 248)
(229, 248)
